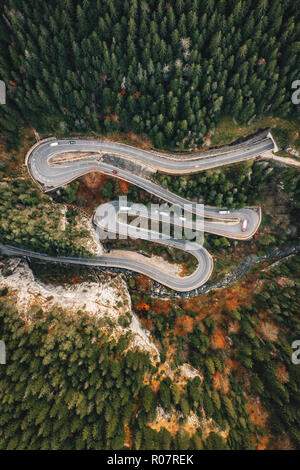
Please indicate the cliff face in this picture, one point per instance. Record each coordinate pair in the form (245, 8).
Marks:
(108, 300)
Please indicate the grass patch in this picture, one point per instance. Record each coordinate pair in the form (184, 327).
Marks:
(286, 131)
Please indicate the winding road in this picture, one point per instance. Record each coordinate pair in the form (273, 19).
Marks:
(55, 162)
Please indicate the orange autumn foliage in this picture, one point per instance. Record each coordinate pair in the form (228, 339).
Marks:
(218, 339)
(282, 373)
(257, 415)
(142, 306)
(183, 325)
(94, 180)
(143, 283)
(74, 279)
(111, 117)
(161, 306)
(263, 443)
(123, 186)
(147, 323)
(221, 382)
(128, 436)
(183, 271)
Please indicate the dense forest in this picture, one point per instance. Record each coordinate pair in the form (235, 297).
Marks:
(167, 69)
(243, 348)
(68, 385)
(236, 185)
(29, 219)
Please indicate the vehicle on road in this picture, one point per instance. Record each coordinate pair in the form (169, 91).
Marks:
(224, 212)
(244, 225)
(53, 144)
(55, 176)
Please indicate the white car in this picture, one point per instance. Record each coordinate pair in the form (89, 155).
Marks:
(244, 225)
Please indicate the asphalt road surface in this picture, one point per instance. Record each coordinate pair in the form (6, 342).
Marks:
(50, 175)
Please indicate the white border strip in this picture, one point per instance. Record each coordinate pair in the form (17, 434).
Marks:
(276, 149)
